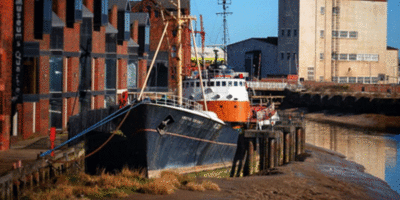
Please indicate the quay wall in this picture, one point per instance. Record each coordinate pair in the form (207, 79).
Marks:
(353, 87)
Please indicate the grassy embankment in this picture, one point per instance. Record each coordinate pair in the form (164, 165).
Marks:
(83, 186)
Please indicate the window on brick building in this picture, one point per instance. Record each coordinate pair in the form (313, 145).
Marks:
(282, 56)
(56, 74)
(322, 10)
(144, 39)
(132, 74)
(31, 76)
(283, 32)
(322, 34)
(57, 38)
(111, 42)
(110, 75)
(288, 33)
(294, 32)
(288, 56)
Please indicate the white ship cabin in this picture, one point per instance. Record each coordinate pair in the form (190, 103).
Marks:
(220, 84)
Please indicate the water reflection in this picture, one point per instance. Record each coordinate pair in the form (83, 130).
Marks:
(375, 153)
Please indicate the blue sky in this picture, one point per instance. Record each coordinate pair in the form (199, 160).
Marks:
(259, 18)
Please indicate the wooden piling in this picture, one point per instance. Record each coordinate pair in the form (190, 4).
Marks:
(287, 148)
(298, 141)
(303, 139)
(271, 153)
(292, 145)
(249, 168)
(279, 148)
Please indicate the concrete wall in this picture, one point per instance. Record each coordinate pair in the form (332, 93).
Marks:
(392, 65)
(316, 22)
(237, 52)
(288, 21)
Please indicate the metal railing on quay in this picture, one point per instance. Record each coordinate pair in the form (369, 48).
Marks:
(260, 84)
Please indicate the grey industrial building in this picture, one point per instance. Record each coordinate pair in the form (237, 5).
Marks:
(257, 56)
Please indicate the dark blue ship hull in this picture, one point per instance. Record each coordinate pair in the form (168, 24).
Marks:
(161, 137)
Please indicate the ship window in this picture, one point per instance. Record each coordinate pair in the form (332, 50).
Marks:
(241, 83)
(223, 83)
(229, 83)
(218, 83)
(191, 84)
(187, 84)
(212, 83)
(235, 83)
(197, 84)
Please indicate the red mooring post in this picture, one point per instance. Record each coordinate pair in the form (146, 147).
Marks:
(52, 138)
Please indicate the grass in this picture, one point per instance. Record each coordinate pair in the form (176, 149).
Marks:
(217, 173)
(122, 184)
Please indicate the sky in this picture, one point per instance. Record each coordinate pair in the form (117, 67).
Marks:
(259, 18)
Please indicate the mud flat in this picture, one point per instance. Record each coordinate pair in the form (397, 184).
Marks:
(322, 175)
(375, 122)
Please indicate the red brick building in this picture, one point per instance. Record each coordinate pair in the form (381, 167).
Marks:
(61, 57)
(6, 46)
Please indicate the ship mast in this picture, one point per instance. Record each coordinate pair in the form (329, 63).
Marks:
(179, 55)
(224, 3)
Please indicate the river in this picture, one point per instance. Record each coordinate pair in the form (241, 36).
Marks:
(378, 152)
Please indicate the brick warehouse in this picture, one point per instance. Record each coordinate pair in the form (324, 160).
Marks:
(61, 57)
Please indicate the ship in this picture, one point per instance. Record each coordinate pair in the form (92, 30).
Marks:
(163, 131)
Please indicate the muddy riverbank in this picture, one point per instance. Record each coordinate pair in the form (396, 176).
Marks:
(322, 175)
(367, 121)
(373, 122)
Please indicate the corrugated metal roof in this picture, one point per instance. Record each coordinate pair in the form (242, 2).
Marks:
(110, 28)
(56, 21)
(142, 18)
(86, 12)
(270, 40)
(121, 4)
(132, 43)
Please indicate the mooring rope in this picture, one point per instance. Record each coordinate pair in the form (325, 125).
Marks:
(98, 124)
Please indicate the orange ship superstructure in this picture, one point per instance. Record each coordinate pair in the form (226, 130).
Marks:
(224, 90)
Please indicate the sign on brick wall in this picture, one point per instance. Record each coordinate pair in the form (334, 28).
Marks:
(17, 77)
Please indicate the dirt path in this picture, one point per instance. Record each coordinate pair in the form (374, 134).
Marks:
(320, 176)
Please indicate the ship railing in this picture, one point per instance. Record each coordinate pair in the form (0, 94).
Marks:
(162, 98)
(208, 75)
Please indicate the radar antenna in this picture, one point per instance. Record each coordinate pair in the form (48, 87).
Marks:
(224, 4)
